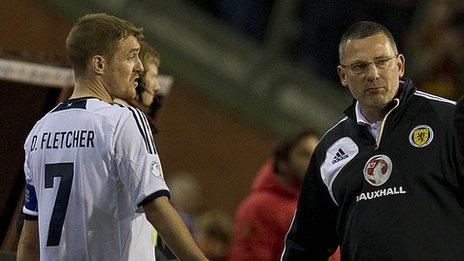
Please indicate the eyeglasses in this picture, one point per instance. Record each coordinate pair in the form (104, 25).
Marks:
(361, 67)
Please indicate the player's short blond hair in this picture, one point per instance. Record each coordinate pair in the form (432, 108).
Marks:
(97, 34)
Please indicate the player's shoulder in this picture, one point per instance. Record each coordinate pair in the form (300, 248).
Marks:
(135, 119)
(136, 116)
(88, 109)
(113, 112)
(128, 111)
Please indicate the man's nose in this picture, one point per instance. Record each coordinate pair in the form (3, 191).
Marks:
(157, 85)
(372, 72)
(138, 66)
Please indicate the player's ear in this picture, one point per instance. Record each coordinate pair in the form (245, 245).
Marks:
(97, 64)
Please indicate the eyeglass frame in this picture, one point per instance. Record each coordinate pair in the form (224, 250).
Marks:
(366, 64)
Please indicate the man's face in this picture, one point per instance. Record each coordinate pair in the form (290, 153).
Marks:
(376, 85)
(124, 69)
(151, 84)
(300, 155)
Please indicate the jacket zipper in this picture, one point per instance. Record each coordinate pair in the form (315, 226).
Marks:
(382, 125)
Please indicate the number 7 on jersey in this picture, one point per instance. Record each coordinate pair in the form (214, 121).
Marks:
(66, 172)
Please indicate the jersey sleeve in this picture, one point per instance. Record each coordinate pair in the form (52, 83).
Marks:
(137, 162)
(312, 235)
(30, 207)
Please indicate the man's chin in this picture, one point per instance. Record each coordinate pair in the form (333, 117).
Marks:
(377, 102)
(131, 94)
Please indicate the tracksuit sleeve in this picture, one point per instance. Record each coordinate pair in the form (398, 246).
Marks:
(312, 235)
(459, 151)
(459, 121)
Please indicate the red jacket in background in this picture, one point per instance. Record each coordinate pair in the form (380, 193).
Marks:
(263, 218)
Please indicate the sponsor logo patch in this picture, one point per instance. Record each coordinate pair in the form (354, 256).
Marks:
(421, 136)
(377, 170)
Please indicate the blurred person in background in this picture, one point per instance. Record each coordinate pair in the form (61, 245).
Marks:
(436, 49)
(213, 233)
(263, 218)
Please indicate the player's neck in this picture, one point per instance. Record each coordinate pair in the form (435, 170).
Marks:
(86, 87)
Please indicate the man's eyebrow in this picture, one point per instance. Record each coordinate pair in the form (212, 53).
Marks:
(356, 61)
(383, 56)
(375, 58)
(134, 50)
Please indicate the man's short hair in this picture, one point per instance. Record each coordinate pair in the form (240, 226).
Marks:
(282, 151)
(148, 55)
(363, 29)
(97, 34)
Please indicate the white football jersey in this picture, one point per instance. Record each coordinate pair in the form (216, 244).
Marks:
(88, 167)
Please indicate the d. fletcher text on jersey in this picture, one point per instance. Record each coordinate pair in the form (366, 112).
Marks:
(63, 139)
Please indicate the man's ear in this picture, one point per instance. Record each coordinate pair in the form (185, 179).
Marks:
(342, 75)
(400, 64)
(98, 64)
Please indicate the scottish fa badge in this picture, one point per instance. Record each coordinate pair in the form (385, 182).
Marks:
(421, 136)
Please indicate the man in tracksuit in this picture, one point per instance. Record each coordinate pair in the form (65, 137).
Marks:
(385, 182)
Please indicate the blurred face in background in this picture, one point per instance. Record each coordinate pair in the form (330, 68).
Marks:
(300, 155)
(186, 193)
(151, 84)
